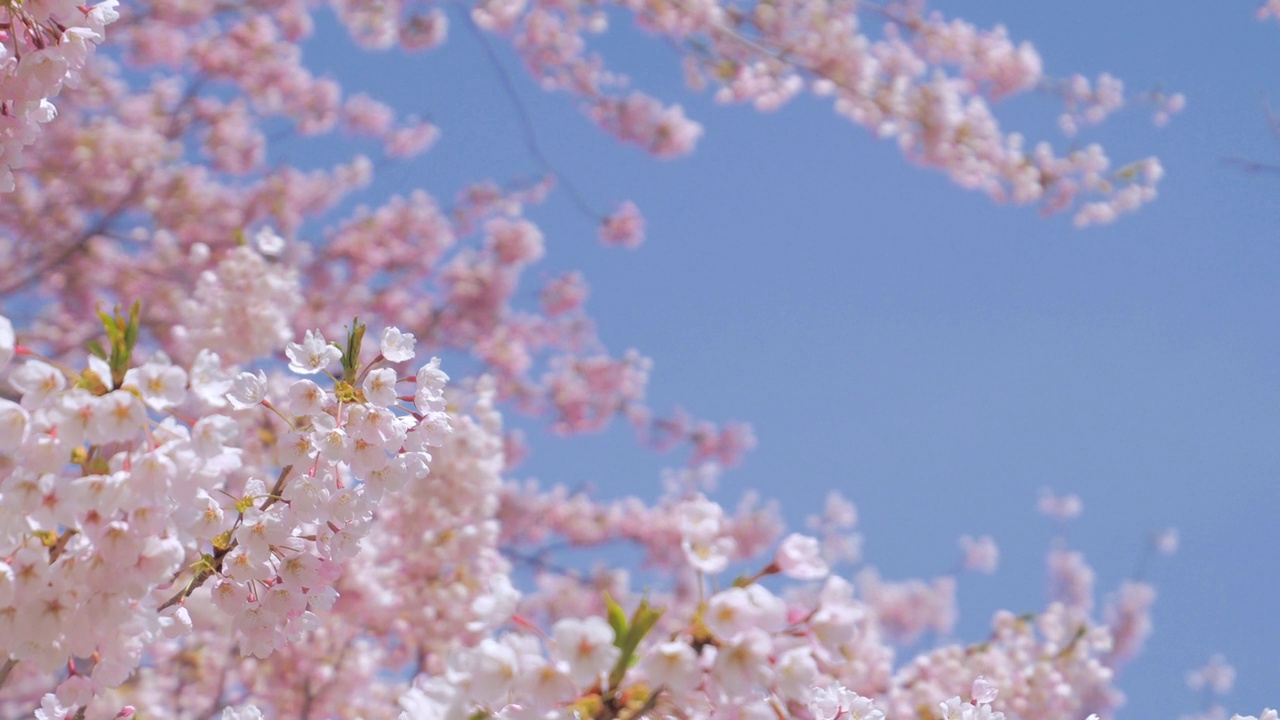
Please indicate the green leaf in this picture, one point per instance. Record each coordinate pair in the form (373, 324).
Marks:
(135, 324)
(642, 621)
(108, 322)
(122, 336)
(351, 355)
(617, 620)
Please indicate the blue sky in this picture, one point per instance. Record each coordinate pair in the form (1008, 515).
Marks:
(936, 357)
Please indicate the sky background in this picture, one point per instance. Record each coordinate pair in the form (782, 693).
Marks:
(936, 357)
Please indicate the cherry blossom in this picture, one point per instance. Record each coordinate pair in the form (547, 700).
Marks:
(247, 390)
(396, 346)
(983, 692)
(980, 555)
(203, 516)
(312, 355)
(625, 227)
(8, 341)
(799, 557)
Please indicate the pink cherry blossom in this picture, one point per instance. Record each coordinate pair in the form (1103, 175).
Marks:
(800, 557)
(983, 692)
(190, 528)
(980, 555)
(625, 227)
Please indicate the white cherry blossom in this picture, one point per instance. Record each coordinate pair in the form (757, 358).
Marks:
(8, 341)
(673, 665)
(800, 557)
(587, 646)
(380, 387)
(396, 346)
(248, 390)
(312, 355)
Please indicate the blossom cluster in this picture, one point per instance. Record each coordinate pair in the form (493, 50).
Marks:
(127, 489)
(44, 46)
(816, 652)
(332, 533)
(929, 83)
(171, 174)
(429, 574)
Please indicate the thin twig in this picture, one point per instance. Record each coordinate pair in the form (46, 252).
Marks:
(215, 566)
(7, 668)
(1253, 166)
(525, 121)
(104, 222)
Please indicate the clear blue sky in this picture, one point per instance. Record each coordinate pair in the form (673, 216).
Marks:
(936, 357)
